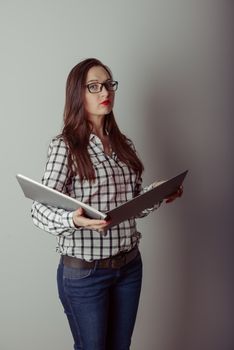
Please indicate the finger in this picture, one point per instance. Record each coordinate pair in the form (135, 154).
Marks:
(88, 221)
(96, 223)
(176, 194)
(93, 222)
(172, 198)
(169, 200)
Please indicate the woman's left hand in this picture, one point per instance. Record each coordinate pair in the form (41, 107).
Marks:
(175, 195)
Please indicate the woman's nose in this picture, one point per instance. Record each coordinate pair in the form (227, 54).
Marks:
(104, 91)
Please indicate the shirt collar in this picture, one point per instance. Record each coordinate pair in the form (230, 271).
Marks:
(95, 140)
(93, 136)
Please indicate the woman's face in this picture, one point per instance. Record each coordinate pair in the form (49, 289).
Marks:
(98, 104)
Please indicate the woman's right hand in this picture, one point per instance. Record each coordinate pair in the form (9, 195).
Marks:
(82, 221)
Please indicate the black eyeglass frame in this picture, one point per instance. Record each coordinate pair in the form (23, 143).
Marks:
(101, 86)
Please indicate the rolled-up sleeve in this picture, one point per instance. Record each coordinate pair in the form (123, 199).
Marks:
(51, 219)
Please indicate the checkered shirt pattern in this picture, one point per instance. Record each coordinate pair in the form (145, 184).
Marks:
(114, 184)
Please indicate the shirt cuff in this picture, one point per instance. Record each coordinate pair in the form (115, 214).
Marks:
(67, 219)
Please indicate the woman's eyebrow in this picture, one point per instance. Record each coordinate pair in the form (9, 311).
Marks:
(92, 80)
(97, 81)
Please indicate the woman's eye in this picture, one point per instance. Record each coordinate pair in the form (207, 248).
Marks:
(111, 85)
(94, 87)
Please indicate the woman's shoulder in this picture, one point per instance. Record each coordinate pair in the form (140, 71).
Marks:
(58, 144)
(58, 141)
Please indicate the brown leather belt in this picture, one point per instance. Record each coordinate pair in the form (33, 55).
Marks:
(114, 262)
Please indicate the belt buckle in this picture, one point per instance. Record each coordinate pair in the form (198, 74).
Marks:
(118, 261)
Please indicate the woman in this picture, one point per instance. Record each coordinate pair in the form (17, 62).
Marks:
(100, 270)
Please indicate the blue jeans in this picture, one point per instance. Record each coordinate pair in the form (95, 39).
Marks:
(101, 304)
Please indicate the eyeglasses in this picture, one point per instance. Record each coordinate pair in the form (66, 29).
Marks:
(110, 85)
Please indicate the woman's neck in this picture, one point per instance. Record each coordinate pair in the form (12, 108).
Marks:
(97, 126)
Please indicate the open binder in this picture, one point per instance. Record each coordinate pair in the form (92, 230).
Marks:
(48, 196)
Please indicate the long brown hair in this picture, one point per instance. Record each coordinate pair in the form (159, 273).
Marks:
(76, 130)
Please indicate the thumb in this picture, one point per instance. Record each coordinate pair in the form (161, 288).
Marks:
(80, 211)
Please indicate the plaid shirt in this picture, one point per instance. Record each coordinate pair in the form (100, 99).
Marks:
(115, 183)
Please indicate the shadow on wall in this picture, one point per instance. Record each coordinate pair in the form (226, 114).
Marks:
(166, 145)
(175, 137)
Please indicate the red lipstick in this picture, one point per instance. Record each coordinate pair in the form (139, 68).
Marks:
(105, 103)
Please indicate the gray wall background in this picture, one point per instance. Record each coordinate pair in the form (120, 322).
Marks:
(173, 61)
